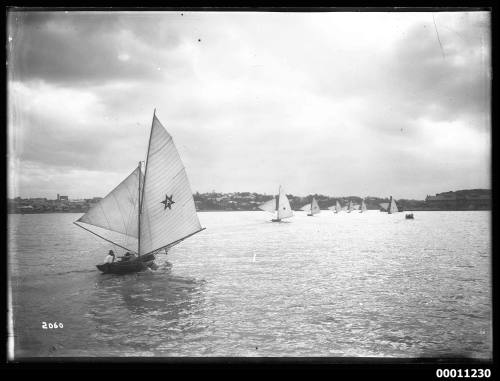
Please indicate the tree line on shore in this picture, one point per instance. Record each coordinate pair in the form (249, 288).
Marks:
(213, 201)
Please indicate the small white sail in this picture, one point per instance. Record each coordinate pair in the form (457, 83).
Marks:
(384, 205)
(284, 211)
(315, 207)
(269, 206)
(118, 211)
(363, 206)
(337, 207)
(168, 209)
(351, 207)
(306, 208)
(393, 208)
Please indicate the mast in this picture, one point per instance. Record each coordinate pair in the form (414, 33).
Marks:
(141, 196)
(278, 204)
(139, 215)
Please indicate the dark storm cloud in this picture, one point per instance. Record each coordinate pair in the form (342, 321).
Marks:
(442, 84)
(92, 47)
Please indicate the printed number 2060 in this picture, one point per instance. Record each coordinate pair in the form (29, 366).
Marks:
(46, 325)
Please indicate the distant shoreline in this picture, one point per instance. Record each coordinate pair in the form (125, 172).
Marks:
(325, 210)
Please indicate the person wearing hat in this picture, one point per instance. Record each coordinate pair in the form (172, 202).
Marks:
(110, 258)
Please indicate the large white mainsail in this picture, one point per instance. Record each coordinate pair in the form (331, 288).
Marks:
(284, 209)
(168, 213)
(393, 208)
(117, 211)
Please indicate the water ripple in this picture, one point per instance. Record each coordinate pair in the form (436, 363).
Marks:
(366, 284)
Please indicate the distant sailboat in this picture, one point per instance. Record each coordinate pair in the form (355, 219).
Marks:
(279, 205)
(312, 208)
(336, 207)
(154, 209)
(363, 207)
(350, 208)
(384, 206)
(393, 208)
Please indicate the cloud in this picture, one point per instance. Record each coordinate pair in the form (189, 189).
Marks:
(444, 86)
(331, 103)
(91, 48)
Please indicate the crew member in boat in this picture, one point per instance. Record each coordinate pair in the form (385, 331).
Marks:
(128, 256)
(110, 258)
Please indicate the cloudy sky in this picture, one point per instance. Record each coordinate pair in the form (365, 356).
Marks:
(336, 103)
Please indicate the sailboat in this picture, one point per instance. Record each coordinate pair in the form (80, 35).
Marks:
(279, 205)
(337, 207)
(384, 206)
(393, 208)
(154, 210)
(350, 208)
(312, 208)
(363, 206)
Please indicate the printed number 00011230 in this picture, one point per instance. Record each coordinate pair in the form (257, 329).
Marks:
(463, 373)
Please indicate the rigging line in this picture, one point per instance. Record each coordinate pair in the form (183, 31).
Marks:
(132, 199)
(121, 213)
(141, 203)
(105, 216)
(131, 212)
(437, 34)
(176, 242)
(114, 243)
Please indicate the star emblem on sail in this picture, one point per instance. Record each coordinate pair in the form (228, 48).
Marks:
(168, 202)
(132, 207)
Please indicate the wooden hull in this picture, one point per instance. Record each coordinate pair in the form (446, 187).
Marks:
(127, 267)
(276, 220)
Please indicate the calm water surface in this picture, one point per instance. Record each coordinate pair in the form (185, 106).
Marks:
(358, 284)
